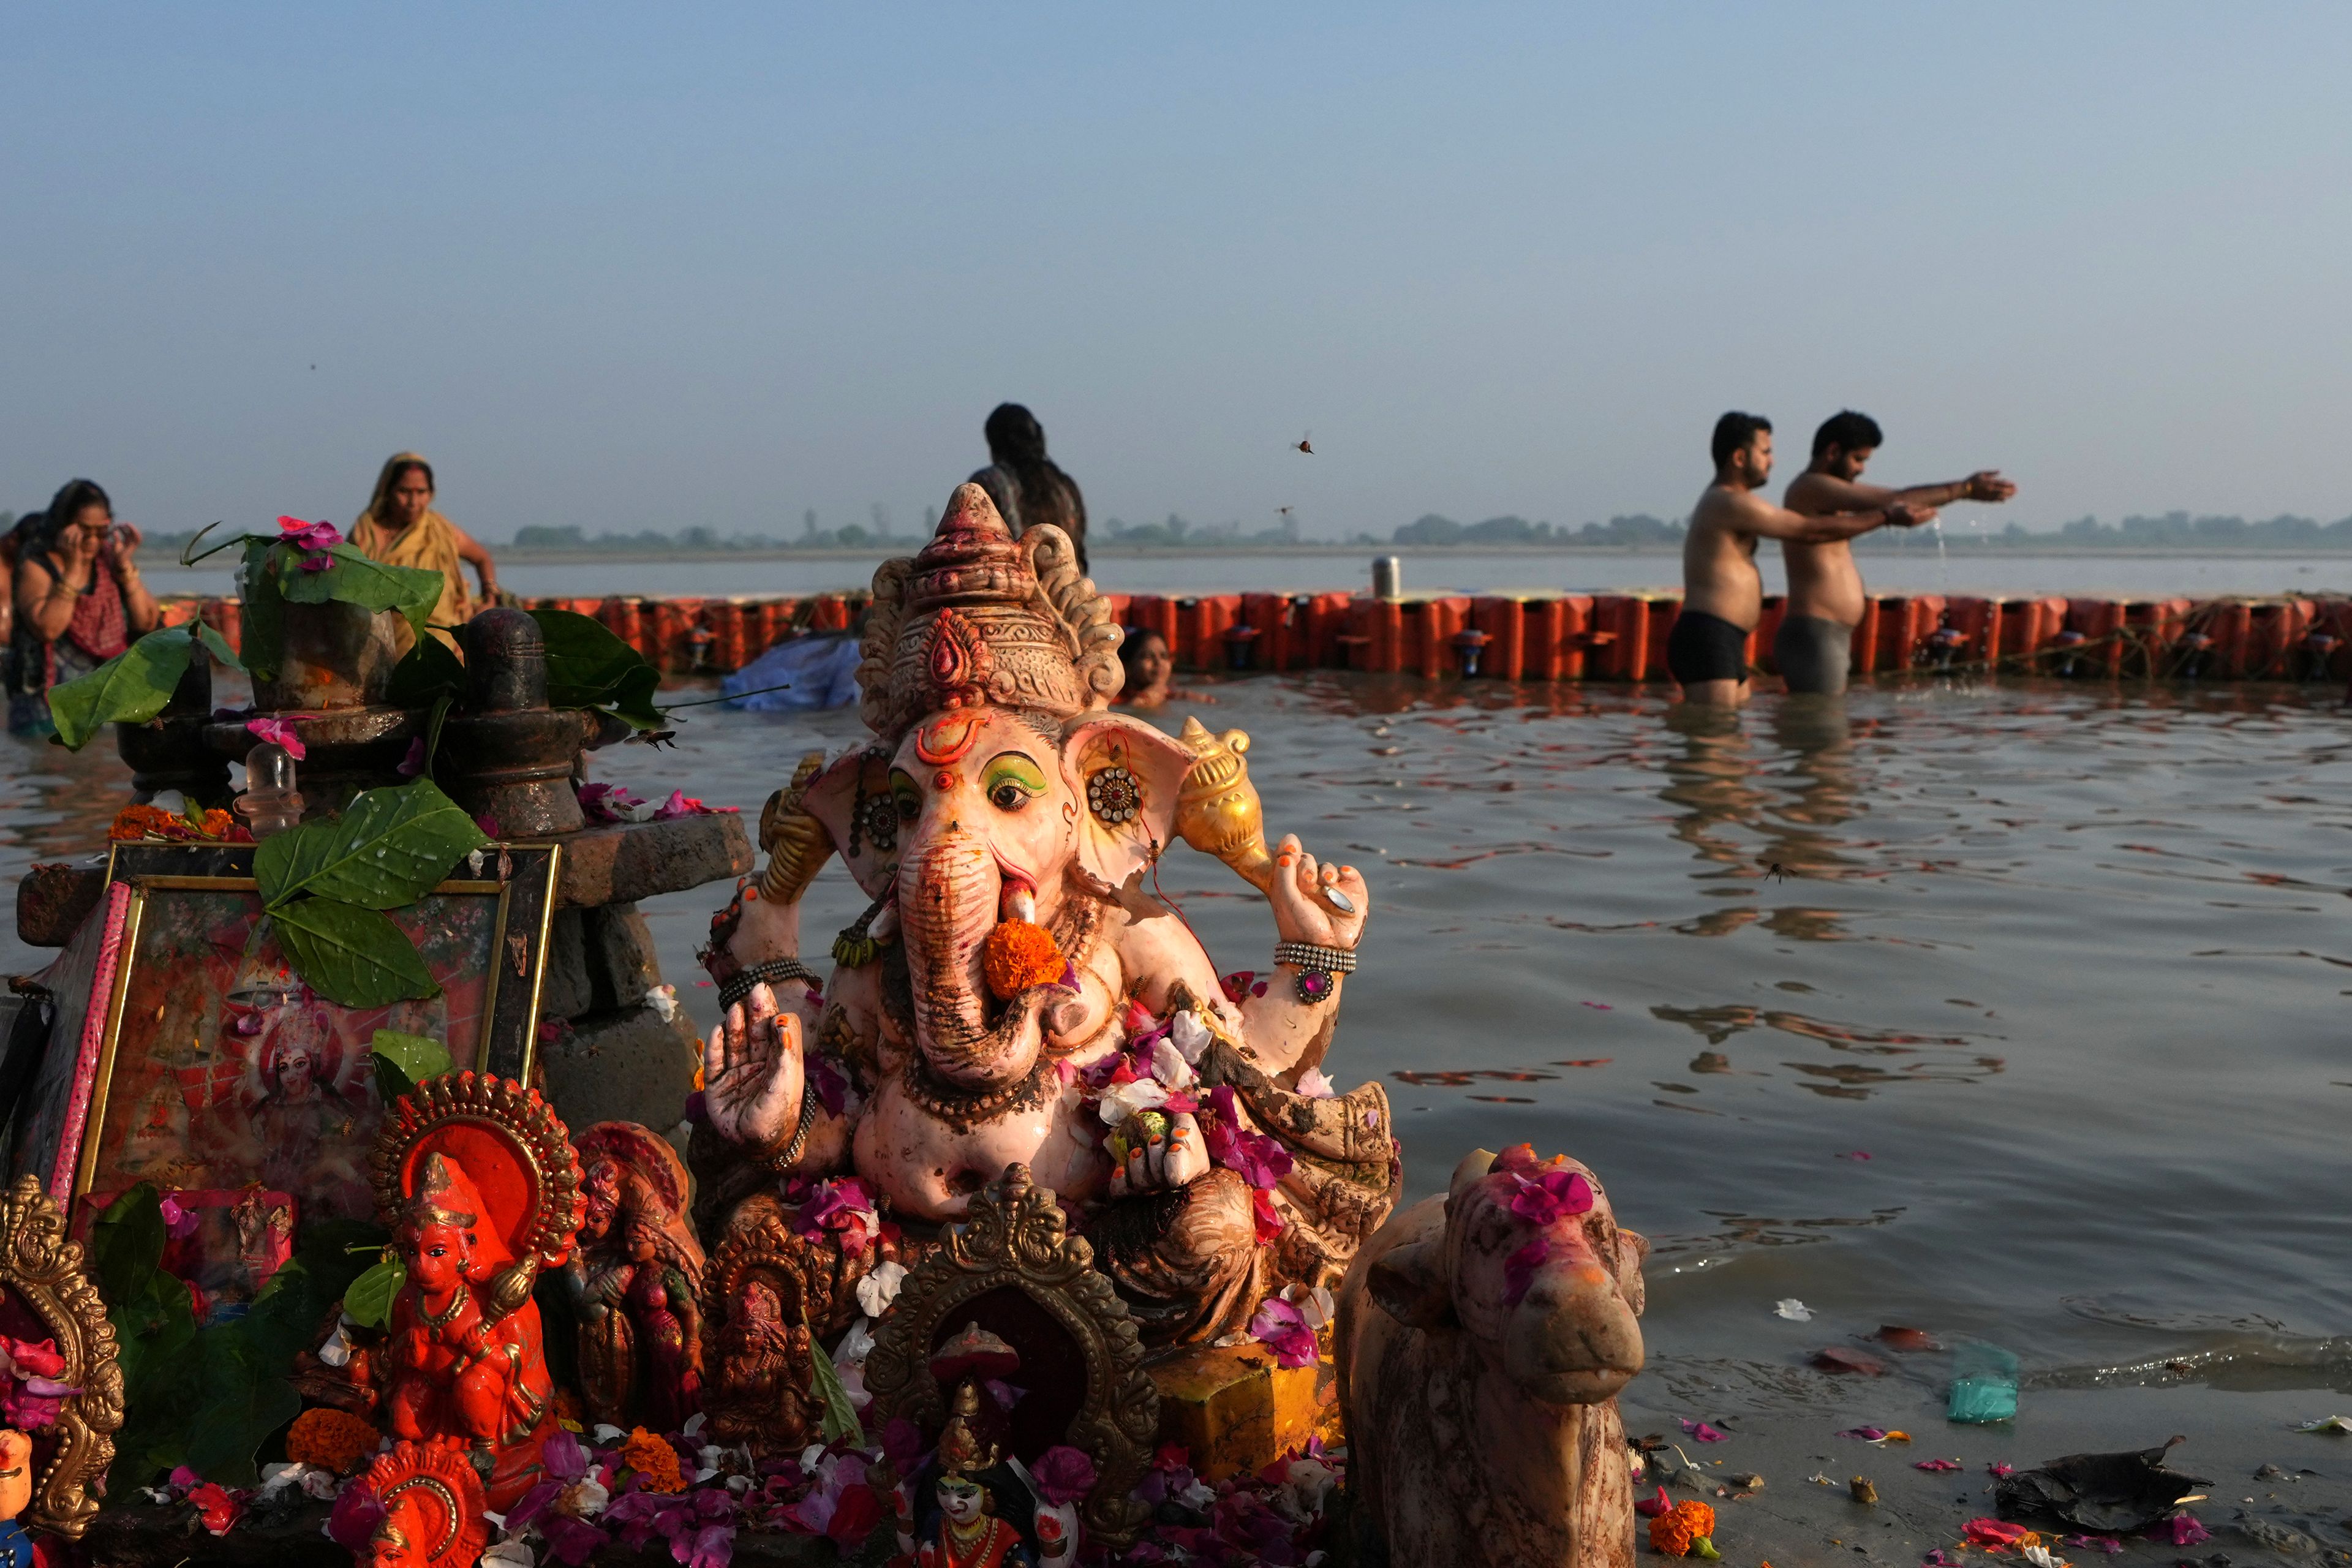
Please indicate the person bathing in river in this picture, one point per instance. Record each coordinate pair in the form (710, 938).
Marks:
(1028, 486)
(1149, 664)
(400, 528)
(78, 601)
(1723, 596)
(1814, 645)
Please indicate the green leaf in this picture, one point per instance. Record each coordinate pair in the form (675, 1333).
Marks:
(126, 1243)
(130, 688)
(388, 849)
(418, 1056)
(392, 1085)
(216, 644)
(355, 579)
(246, 1398)
(351, 955)
(588, 666)
(368, 1301)
(154, 1331)
(262, 615)
(840, 1414)
(427, 670)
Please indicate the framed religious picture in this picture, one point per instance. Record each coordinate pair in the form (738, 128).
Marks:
(212, 1070)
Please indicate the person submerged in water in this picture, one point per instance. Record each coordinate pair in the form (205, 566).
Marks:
(1814, 646)
(1150, 665)
(1723, 596)
(400, 528)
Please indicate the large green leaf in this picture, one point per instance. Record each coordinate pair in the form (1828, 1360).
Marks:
(388, 849)
(427, 670)
(245, 1397)
(126, 1243)
(418, 1056)
(368, 1301)
(218, 645)
(588, 666)
(355, 579)
(351, 955)
(262, 617)
(130, 688)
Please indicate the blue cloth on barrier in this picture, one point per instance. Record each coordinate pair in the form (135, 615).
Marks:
(818, 671)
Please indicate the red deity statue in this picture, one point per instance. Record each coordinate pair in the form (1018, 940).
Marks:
(477, 1181)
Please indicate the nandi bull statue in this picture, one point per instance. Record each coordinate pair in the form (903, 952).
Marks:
(1013, 993)
(1483, 1337)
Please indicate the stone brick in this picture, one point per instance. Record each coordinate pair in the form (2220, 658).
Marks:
(1235, 1409)
(623, 963)
(635, 860)
(53, 901)
(628, 1066)
(565, 990)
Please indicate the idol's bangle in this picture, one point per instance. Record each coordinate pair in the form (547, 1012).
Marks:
(773, 972)
(781, 1162)
(1310, 955)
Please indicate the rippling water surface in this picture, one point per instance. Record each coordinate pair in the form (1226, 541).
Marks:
(2015, 1010)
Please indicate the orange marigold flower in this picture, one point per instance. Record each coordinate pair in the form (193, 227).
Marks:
(133, 822)
(335, 1440)
(654, 1460)
(1018, 955)
(1676, 1532)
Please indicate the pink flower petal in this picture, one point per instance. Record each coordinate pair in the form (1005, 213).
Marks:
(1520, 1268)
(2187, 1531)
(1938, 1466)
(1701, 1432)
(278, 733)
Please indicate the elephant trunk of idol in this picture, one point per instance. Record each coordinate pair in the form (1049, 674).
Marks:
(949, 894)
(1573, 1338)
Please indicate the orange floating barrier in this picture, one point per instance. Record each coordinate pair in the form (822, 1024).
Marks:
(1428, 627)
(225, 617)
(1201, 627)
(1658, 623)
(1905, 623)
(1974, 625)
(1768, 626)
(1503, 624)
(1267, 617)
(832, 613)
(1328, 616)
(1863, 655)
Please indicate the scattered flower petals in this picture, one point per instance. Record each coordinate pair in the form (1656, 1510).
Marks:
(1599, 1006)
(2106, 1543)
(1700, 1431)
(2187, 1531)
(1282, 1328)
(1938, 1466)
(1314, 1085)
(1551, 1197)
(1839, 1358)
(1796, 1311)
(1856, 1154)
(680, 804)
(606, 803)
(308, 535)
(1994, 1532)
(1652, 1507)
(1062, 1475)
(1997, 1469)
(1895, 1337)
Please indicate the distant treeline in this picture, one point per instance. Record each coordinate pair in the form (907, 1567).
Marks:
(2174, 529)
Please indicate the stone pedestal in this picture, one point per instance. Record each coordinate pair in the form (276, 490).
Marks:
(1235, 1410)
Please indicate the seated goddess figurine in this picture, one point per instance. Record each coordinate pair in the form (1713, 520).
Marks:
(1014, 993)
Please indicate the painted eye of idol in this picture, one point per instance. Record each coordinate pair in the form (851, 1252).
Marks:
(903, 791)
(1011, 780)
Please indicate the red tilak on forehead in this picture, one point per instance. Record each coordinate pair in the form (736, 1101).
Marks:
(940, 745)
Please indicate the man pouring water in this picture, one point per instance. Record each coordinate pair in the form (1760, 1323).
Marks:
(1723, 596)
(1813, 648)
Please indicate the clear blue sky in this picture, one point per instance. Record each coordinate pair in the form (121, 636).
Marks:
(663, 266)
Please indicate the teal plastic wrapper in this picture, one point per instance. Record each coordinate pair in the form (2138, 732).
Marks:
(1984, 1384)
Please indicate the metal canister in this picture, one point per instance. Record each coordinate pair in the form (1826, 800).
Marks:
(1388, 577)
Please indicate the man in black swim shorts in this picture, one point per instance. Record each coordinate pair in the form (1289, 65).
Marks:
(1722, 595)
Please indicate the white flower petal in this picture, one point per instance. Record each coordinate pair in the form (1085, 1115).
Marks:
(1796, 1311)
(1169, 1065)
(607, 1433)
(512, 1554)
(875, 1294)
(1314, 1085)
(1190, 1037)
(337, 1350)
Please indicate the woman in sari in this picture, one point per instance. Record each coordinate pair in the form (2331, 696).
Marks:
(400, 528)
(78, 601)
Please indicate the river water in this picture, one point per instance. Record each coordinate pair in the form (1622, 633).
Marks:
(2013, 1010)
(1916, 569)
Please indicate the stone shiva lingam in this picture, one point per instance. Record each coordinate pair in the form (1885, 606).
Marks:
(1014, 993)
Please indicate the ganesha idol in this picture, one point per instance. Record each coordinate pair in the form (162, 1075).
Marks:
(1013, 993)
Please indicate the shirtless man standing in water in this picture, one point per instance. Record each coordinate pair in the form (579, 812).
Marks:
(1723, 596)
(1814, 647)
